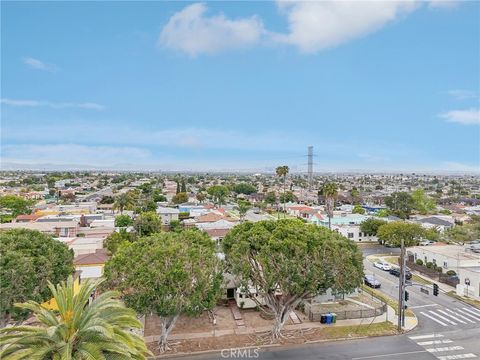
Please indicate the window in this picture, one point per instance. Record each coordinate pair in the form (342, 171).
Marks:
(445, 264)
(434, 262)
(350, 235)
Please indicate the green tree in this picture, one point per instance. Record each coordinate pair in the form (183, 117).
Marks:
(28, 259)
(282, 172)
(218, 193)
(423, 203)
(167, 274)
(157, 196)
(400, 204)
(201, 197)
(147, 223)
(382, 213)
(242, 208)
(81, 329)
(180, 198)
(355, 196)
(244, 188)
(357, 209)
(371, 226)
(392, 233)
(330, 192)
(116, 239)
(123, 201)
(16, 205)
(287, 197)
(288, 261)
(123, 221)
(270, 198)
(183, 188)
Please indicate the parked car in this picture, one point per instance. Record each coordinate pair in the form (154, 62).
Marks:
(396, 272)
(382, 265)
(426, 243)
(370, 280)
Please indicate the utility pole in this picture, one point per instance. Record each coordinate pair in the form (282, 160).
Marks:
(401, 289)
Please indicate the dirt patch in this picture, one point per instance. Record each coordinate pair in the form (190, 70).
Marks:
(290, 337)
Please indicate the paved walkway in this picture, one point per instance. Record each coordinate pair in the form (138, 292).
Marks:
(410, 323)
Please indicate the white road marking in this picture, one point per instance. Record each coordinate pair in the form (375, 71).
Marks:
(384, 355)
(434, 342)
(459, 356)
(452, 316)
(429, 336)
(422, 306)
(469, 315)
(448, 348)
(443, 317)
(432, 318)
(460, 316)
(472, 310)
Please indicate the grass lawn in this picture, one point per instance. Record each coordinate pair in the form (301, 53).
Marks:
(420, 280)
(281, 215)
(472, 302)
(386, 299)
(375, 329)
(391, 260)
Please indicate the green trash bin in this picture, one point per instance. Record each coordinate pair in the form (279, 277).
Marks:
(334, 318)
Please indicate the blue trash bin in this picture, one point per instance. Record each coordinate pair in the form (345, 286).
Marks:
(329, 318)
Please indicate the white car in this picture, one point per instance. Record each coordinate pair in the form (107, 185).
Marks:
(382, 265)
(426, 243)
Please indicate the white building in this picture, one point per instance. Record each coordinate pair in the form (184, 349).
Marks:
(167, 214)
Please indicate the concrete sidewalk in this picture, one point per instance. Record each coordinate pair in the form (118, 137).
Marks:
(390, 316)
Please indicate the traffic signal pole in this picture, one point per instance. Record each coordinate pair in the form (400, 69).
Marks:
(401, 289)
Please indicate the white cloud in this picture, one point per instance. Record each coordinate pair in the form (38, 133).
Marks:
(38, 65)
(72, 154)
(461, 94)
(190, 31)
(36, 103)
(314, 26)
(466, 117)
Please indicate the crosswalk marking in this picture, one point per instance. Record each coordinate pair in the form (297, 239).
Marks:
(422, 306)
(434, 342)
(444, 349)
(469, 315)
(453, 317)
(428, 336)
(460, 316)
(443, 317)
(472, 310)
(459, 356)
(432, 318)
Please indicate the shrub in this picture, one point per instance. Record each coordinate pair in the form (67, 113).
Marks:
(429, 265)
(419, 262)
(439, 269)
(451, 273)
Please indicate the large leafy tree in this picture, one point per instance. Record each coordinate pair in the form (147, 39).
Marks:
(423, 203)
(218, 193)
(330, 192)
(371, 226)
(147, 223)
(16, 205)
(392, 233)
(288, 261)
(181, 197)
(123, 221)
(244, 188)
(167, 274)
(80, 329)
(28, 260)
(400, 204)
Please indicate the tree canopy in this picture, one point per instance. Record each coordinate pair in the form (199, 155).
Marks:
(393, 232)
(371, 226)
(287, 261)
(423, 203)
(244, 188)
(218, 193)
(167, 274)
(28, 260)
(16, 205)
(180, 198)
(400, 204)
(147, 223)
(123, 221)
(357, 209)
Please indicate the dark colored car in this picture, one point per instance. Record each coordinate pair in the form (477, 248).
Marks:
(371, 281)
(396, 271)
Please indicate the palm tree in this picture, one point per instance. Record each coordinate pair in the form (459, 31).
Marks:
(242, 208)
(283, 171)
(330, 192)
(122, 201)
(80, 329)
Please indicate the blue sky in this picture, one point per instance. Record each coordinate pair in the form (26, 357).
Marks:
(376, 86)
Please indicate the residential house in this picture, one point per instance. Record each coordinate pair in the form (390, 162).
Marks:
(90, 266)
(167, 214)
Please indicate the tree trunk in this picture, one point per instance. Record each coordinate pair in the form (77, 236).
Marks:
(329, 222)
(168, 323)
(280, 319)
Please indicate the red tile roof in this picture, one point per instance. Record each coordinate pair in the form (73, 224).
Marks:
(99, 257)
(29, 217)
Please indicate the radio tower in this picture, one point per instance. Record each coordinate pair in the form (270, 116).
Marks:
(310, 167)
